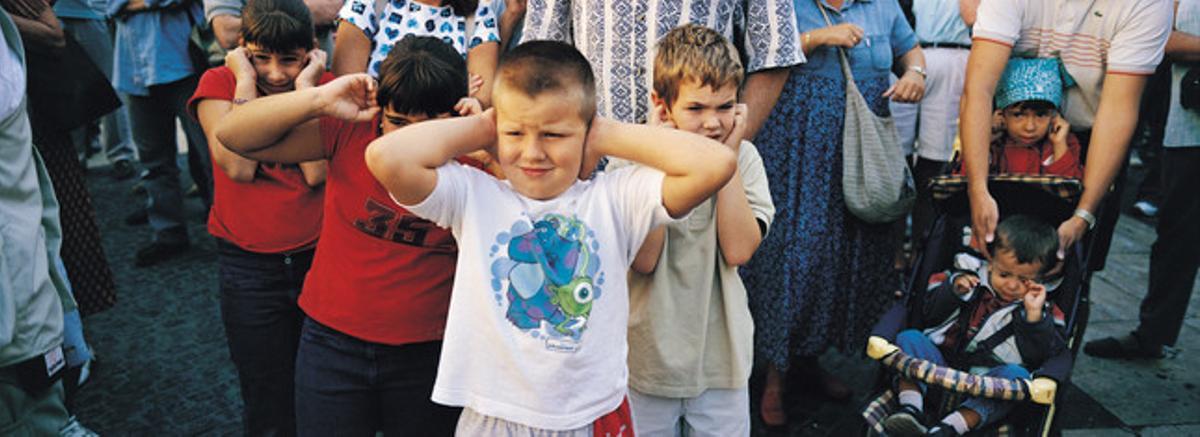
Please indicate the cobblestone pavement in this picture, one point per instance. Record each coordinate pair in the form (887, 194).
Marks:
(164, 367)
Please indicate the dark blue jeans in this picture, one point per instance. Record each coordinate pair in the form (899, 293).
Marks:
(350, 387)
(916, 344)
(262, 324)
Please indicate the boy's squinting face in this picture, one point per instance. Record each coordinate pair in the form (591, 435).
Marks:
(1027, 126)
(276, 71)
(540, 144)
(1009, 278)
(703, 110)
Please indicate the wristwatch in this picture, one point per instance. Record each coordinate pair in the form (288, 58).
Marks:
(919, 69)
(1087, 217)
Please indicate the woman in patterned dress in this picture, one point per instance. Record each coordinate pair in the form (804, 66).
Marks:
(365, 36)
(822, 276)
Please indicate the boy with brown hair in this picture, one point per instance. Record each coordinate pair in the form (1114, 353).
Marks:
(540, 287)
(690, 359)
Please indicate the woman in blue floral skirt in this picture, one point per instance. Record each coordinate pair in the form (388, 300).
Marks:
(822, 277)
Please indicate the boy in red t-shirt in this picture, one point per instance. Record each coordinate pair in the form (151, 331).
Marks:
(378, 292)
(265, 216)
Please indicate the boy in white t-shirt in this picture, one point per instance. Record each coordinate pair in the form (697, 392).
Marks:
(690, 332)
(535, 338)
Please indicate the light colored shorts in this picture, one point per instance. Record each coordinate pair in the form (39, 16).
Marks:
(716, 412)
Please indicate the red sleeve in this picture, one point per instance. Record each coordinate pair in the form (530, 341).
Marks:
(1068, 165)
(216, 83)
(326, 78)
(332, 131)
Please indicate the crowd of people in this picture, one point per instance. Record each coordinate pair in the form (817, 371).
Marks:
(568, 218)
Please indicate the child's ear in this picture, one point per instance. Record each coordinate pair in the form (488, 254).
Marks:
(241, 41)
(661, 110)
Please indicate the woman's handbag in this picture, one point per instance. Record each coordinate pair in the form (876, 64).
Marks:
(1189, 89)
(876, 182)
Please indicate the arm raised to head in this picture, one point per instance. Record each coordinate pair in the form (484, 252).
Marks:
(406, 161)
(695, 167)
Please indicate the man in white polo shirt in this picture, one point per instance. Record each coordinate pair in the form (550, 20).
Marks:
(1108, 47)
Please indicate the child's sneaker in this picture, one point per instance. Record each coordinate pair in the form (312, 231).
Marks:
(942, 430)
(75, 429)
(907, 421)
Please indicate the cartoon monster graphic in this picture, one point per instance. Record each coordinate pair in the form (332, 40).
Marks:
(549, 272)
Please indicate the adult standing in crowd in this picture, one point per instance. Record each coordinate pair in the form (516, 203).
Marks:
(84, 20)
(822, 276)
(1108, 47)
(928, 128)
(618, 38)
(32, 292)
(1174, 257)
(66, 92)
(470, 27)
(154, 69)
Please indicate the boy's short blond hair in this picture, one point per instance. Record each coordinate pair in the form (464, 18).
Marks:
(695, 53)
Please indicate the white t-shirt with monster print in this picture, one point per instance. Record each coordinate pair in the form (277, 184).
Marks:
(540, 305)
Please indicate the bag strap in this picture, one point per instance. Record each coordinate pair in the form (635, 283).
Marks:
(841, 51)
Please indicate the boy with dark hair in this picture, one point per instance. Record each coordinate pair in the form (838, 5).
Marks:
(377, 294)
(992, 316)
(690, 359)
(263, 256)
(540, 287)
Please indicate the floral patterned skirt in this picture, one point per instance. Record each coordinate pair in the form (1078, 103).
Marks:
(821, 277)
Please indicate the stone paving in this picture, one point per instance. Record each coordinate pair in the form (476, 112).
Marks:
(164, 368)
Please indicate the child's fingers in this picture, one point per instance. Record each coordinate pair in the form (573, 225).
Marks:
(891, 90)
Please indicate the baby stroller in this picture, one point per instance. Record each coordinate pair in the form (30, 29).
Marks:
(1049, 198)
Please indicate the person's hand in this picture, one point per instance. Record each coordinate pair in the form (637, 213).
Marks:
(591, 147)
(238, 61)
(658, 117)
(315, 67)
(842, 35)
(324, 12)
(1069, 232)
(474, 85)
(350, 97)
(135, 6)
(1059, 129)
(733, 139)
(997, 125)
(909, 89)
(964, 283)
(468, 106)
(1034, 300)
(984, 215)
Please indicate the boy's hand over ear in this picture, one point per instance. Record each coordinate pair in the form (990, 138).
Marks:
(467, 106)
(1059, 129)
(592, 153)
(350, 97)
(313, 69)
(238, 61)
(1034, 299)
(733, 139)
(658, 116)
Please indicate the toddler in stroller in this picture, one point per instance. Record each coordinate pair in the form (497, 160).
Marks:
(990, 316)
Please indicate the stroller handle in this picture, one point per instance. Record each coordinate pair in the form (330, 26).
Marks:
(1040, 390)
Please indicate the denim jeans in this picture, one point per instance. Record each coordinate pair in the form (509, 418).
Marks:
(262, 325)
(350, 387)
(916, 344)
(97, 41)
(152, 118)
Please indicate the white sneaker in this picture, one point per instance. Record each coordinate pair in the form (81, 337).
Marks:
(75, 429)
(1145, 208)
